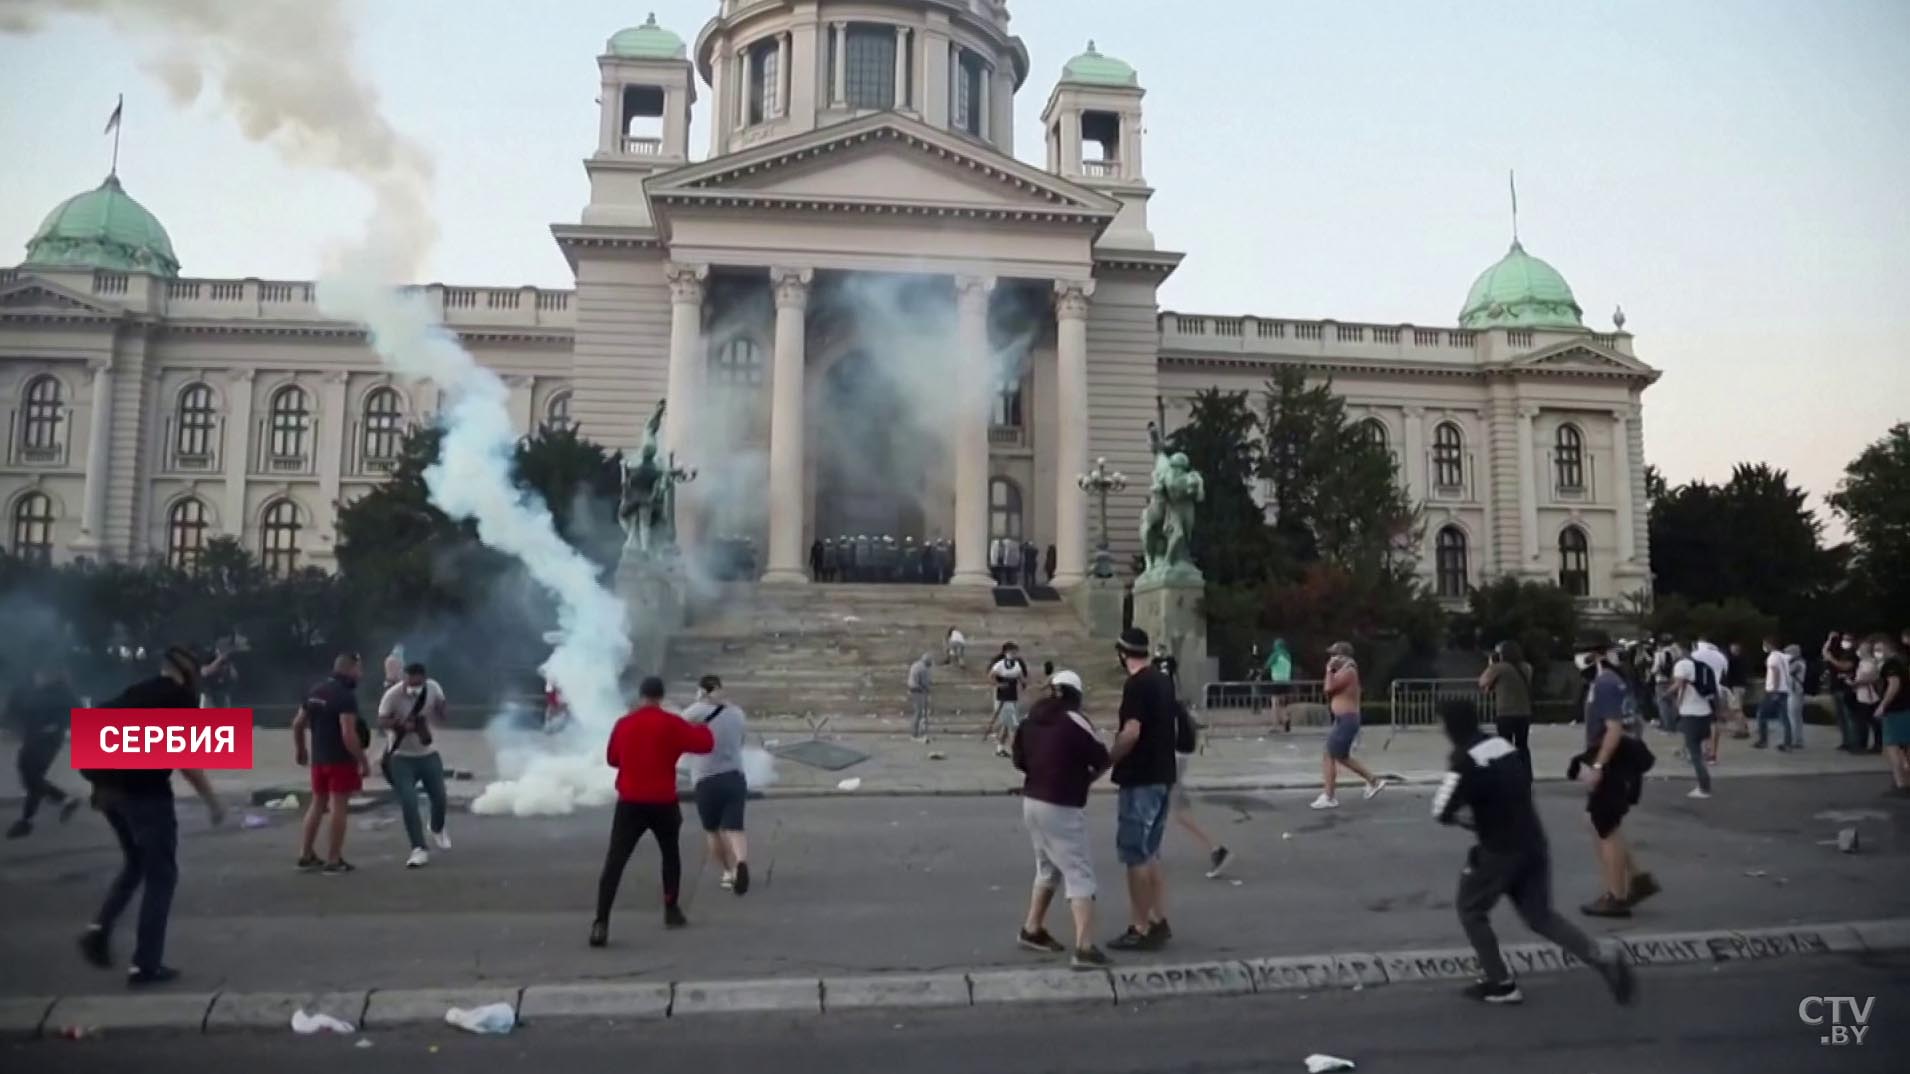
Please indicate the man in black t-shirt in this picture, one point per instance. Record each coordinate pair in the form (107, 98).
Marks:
(337, 757)
(1009, 675)
(138, 805)
(1144, 770)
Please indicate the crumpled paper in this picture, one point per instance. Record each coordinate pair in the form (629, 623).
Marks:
(306, 1024)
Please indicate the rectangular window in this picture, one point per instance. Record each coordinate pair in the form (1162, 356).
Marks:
(970, 74)
(869, 72)
(765, 81)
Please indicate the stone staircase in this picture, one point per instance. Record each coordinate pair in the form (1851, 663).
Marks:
(843, 651)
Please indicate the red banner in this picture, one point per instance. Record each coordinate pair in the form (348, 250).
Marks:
(162, 738)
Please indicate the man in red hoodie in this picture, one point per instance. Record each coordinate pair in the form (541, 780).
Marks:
(644, 748)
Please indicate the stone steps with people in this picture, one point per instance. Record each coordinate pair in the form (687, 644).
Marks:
(845, 650)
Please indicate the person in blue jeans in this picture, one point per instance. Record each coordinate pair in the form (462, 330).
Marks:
(1777, 696)
(1144, 770)
(408, 713)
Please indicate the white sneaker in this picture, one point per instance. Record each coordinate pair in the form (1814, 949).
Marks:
(1698, 792)
(729, 881)
(1373, 788)
(1323, 802)
(418, 857)
(443, 839)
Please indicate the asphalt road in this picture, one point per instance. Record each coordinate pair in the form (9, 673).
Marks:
(881, 884)
(1740, 1017)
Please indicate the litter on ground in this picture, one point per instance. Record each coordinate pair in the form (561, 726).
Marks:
(307, 1024)
(490, 1018)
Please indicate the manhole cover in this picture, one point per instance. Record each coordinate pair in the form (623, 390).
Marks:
(818, 754)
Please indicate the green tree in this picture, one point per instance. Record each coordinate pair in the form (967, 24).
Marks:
(1874, 500)
(1752, 538)
(1541, 617)
(1336, 495)
(1231, 543)
(1736, 620)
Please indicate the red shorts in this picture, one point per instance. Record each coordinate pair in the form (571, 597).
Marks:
(336, 779)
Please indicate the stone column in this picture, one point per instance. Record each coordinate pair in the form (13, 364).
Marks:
(237, 450)
(334, 418)
(971, 431)
(1622, 487)
(744, 64)
(1415, 448)
(787, 500)
(901, 67)
(782, 75)
(1071, 447)
(1528, 493)
(839, 70)
(99, 424)
(686, 342)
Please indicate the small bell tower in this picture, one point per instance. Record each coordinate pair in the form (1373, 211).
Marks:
(1094, 134)
(648, 90)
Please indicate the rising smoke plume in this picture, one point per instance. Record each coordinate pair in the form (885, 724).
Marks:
(285, 69)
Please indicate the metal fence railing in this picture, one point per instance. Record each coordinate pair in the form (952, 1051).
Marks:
(1299, 703)
(1415, 702)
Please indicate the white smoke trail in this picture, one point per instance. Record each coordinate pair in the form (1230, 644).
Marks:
(285, 69)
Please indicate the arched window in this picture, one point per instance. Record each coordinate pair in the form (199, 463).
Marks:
(33, 527)
(1569, 458)
(278, 537)
(290, 421)
(194, 436)
(1004, 509)
(1449, 457)
(1374, 430)
(1007, 412)
(738, 363)
(185, 533)
(1575, 562)
(557, 411)
(384, 428)
(1450, 562)
(41, 418)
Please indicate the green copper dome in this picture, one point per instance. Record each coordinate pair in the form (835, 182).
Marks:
(647, 42)
(103, 228)
(1095, 69)
(1520, 291)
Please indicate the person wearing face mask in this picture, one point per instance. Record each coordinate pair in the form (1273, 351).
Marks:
(407, 713)
(1840, 669)
(1866, 695)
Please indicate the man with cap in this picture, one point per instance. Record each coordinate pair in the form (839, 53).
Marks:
(1489, 779)
(1614, 763)
(138, 805)
(1061, 756)
(1144, 770)
(644, 749)
(1343, 702)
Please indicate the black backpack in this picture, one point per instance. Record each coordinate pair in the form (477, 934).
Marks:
(1703, 679)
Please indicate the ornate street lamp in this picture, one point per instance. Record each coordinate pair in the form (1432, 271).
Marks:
(1099, 482)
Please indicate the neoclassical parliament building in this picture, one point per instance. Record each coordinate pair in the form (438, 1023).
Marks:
(857, 148)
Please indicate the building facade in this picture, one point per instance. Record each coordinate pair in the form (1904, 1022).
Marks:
(868, 316)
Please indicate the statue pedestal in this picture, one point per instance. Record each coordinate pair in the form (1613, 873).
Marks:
(1168, 606)
(655, 600)
(1097, 601)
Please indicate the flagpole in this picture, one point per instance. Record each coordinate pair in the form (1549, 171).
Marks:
(117, 112)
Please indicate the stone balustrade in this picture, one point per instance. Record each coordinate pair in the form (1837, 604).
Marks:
(297, 300)
(1344, 339)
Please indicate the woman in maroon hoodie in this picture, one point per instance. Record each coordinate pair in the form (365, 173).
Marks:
(1058, 750)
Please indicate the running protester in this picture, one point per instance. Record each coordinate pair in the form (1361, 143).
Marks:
(40, 713)
(718, 784)
(644, 749)
(1144, 770)
(1061, 756)
(1510, 860)
(1614, 763)
(407, 713)
(1343, 701)
(339, 737)
(138, 804)
(1010, 676)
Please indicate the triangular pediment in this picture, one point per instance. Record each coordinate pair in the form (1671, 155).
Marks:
(1581, 357)
(32, 295)
(880, 160)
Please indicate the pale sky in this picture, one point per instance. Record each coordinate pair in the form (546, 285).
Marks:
(1735, 174)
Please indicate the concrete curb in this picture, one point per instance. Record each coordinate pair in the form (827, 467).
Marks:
(28, 1017)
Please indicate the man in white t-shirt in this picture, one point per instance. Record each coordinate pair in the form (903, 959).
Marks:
(1697, 713)
(409, 712)
(1777, 695)
(1713, 658)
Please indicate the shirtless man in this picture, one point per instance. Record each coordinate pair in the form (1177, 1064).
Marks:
(1343, 701)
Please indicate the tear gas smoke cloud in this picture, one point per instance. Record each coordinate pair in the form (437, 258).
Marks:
(285, 70)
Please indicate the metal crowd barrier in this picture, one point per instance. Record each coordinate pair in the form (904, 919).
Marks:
(1301, 702)
(1415, 702)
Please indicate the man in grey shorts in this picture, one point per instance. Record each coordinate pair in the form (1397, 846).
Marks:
(1061, 756)
(1343, 701)
(718, 783)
